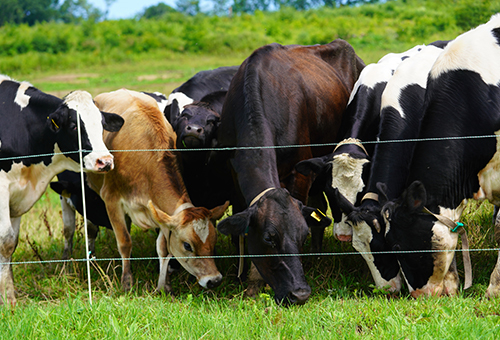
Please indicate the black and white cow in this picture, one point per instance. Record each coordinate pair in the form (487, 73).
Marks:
(462, 99)
(402, 103)
(38, 140)
(348, 167)
(197, 87)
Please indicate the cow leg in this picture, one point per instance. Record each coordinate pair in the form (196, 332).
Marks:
(9, 236)
(69, 225)
(451, 280)
(123, 241)
(164, 277)
(255, 282)
(92, 232)
(496, 220)
(494, 287)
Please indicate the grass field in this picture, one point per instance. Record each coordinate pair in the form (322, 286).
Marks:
(53, 298)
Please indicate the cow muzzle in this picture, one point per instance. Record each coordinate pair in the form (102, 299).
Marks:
(210, 282)
(104, 164)
(297, 297)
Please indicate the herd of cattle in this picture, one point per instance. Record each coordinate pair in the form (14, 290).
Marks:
(289, 127)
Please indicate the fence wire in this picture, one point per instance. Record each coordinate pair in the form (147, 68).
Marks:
(88, 259)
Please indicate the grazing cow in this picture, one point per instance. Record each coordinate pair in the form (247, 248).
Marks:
(402, 109)
(69, 188)
(282, 96)
(348, 167)
(462, 99)
(39, 139)
(147, 188)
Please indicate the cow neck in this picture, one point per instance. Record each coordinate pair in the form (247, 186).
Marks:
(182, 207)
(242, 237)
(459, 228)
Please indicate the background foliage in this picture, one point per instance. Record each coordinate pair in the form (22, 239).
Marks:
(386, 27)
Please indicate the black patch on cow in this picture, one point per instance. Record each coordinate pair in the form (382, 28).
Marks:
(496, 34)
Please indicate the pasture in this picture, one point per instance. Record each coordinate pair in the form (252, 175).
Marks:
(53, 297)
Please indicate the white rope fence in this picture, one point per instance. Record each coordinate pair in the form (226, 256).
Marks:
(89, 259)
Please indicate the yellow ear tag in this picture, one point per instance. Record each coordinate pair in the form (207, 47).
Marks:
(57, 127)
(317, 217)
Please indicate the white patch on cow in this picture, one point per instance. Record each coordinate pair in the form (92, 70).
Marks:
(3, 78)
(361, 239)
(22, 99)
(201, 228)
(411, 71)
(382, 71)
(181, 98)
(162, 104)
(82, 102)
(489, 178)
(347, 178)
(476, 50)
(494, 286)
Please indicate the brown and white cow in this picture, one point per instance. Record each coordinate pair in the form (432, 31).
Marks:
(147, 187)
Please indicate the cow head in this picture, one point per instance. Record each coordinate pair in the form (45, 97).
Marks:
(342, 170)
(275, 225)
(192, 240)
(368, 238)
(196, 123)
(410, 229)
(63, 122)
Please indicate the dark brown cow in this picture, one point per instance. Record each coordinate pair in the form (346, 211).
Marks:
(282, 96)
(148, 188)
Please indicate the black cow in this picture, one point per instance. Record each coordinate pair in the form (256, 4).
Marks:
(402, 103)
(39, 138)
(462, 99)
(282, 96)
(348, 167)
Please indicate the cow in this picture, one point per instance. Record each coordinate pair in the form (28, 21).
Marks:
(147, 188)
(69, 188)
(447, 168)
(282, 96)
(200, 85)
(39, 138)
(401, 111)
(348, 167)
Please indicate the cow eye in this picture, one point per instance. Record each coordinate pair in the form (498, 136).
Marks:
(187, 246)
(269, 240)
(72, 126)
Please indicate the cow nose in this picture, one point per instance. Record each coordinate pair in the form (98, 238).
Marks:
(194, 129)
(104, 164)
(214, 282)
(299, 296)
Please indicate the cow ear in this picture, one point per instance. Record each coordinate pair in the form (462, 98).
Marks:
(315, 217)
(415, 196)
(236, 224)
(111, 122)
(218, 212)
(57, 118)
(174, 112)
(316, 165)
(159, 215)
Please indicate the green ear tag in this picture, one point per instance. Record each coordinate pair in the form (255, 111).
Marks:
(459, 225)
